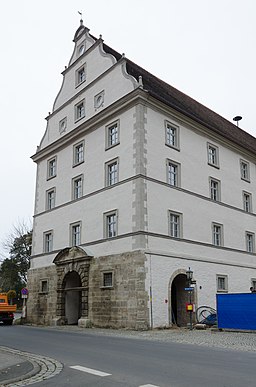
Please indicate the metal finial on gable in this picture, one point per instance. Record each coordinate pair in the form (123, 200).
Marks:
(81, 20)
(140, 81)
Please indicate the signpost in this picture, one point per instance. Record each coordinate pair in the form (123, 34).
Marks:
(24, 296)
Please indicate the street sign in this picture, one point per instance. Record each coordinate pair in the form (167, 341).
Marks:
(24, 291)
(189, 289)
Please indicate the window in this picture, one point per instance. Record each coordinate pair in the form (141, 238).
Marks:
(79, 111)
(77, 187)
(48, 241)
(172, 135)
(76, 234)
(111, 172)
(110, 224)
(78, 153)
(175, 225)
(173, 175)
(222, 283)
(253, 283)
(44, 286)
(245, 171)
(217, 237)
(247, 202)
(112, 134)
(213, 155)
(250, 241)
(214, 189)
(50, 199)
(80, 75)
(81, 49)
(107, 280)
(51, 170)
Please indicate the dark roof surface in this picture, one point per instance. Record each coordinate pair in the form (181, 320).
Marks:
(187, 105)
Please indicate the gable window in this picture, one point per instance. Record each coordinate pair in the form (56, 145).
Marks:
(75, 234)
(78, 153)
(107, 280)
(48, 241)
(51, 167)
(250, 242)
(110, 224)
(247, 202)
(79, 110)
(214, 189)
(245, 171)
(173, 175)
(213, 155)
(77, 187)
(222, 283)
(80, 75)
(50, 199)
(217, 234)
(171, 135)
(112, 134)
(111, 172)
(175, 224)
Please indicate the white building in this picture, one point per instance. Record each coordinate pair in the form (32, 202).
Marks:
(136, 183)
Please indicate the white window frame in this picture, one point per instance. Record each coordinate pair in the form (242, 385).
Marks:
(222, 283)
(81, 71)
(111, 175)
(245, 170)
(104, 274)
(110, 224)
(172, 135)
(213, 155)
(77, 190)
(75, 233)
(173, 173)
(247, 201)
(81, 48)
(214, 186)
(80, 110)
(175, 221)
(48, 241)
(250, 242)
(52, 168)
(78, 154)
(113, 139)
(217, 234)
(50, 200)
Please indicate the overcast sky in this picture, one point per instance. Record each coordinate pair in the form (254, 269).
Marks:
(204, 48)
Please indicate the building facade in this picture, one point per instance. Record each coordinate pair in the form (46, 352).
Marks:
(136, 183)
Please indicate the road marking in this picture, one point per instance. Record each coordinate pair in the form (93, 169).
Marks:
(89, 370)
(149, 385)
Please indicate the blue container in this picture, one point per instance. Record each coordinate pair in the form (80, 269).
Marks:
(236, 311)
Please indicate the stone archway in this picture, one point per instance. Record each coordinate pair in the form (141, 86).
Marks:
(178, 297)
(72, 266)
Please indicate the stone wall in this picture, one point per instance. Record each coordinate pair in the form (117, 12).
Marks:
(123, 305)
(41, 304)
(126, 303)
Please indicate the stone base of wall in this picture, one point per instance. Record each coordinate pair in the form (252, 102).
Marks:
(124, 305)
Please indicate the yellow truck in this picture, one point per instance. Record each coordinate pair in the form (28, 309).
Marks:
(6, 310)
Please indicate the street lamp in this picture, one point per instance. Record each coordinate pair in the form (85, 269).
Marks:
(189, 274)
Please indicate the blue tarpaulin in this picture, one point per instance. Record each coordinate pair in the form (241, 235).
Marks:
(236, 311)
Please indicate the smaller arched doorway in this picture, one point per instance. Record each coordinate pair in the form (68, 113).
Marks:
(178, 299)
(72, 289)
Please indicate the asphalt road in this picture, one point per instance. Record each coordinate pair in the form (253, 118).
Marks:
(97, 360)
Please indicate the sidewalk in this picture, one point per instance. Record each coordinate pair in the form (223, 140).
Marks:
(14, 367)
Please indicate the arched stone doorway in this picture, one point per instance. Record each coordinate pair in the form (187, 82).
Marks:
(178, 297)
(72, 288)
(72, 264)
